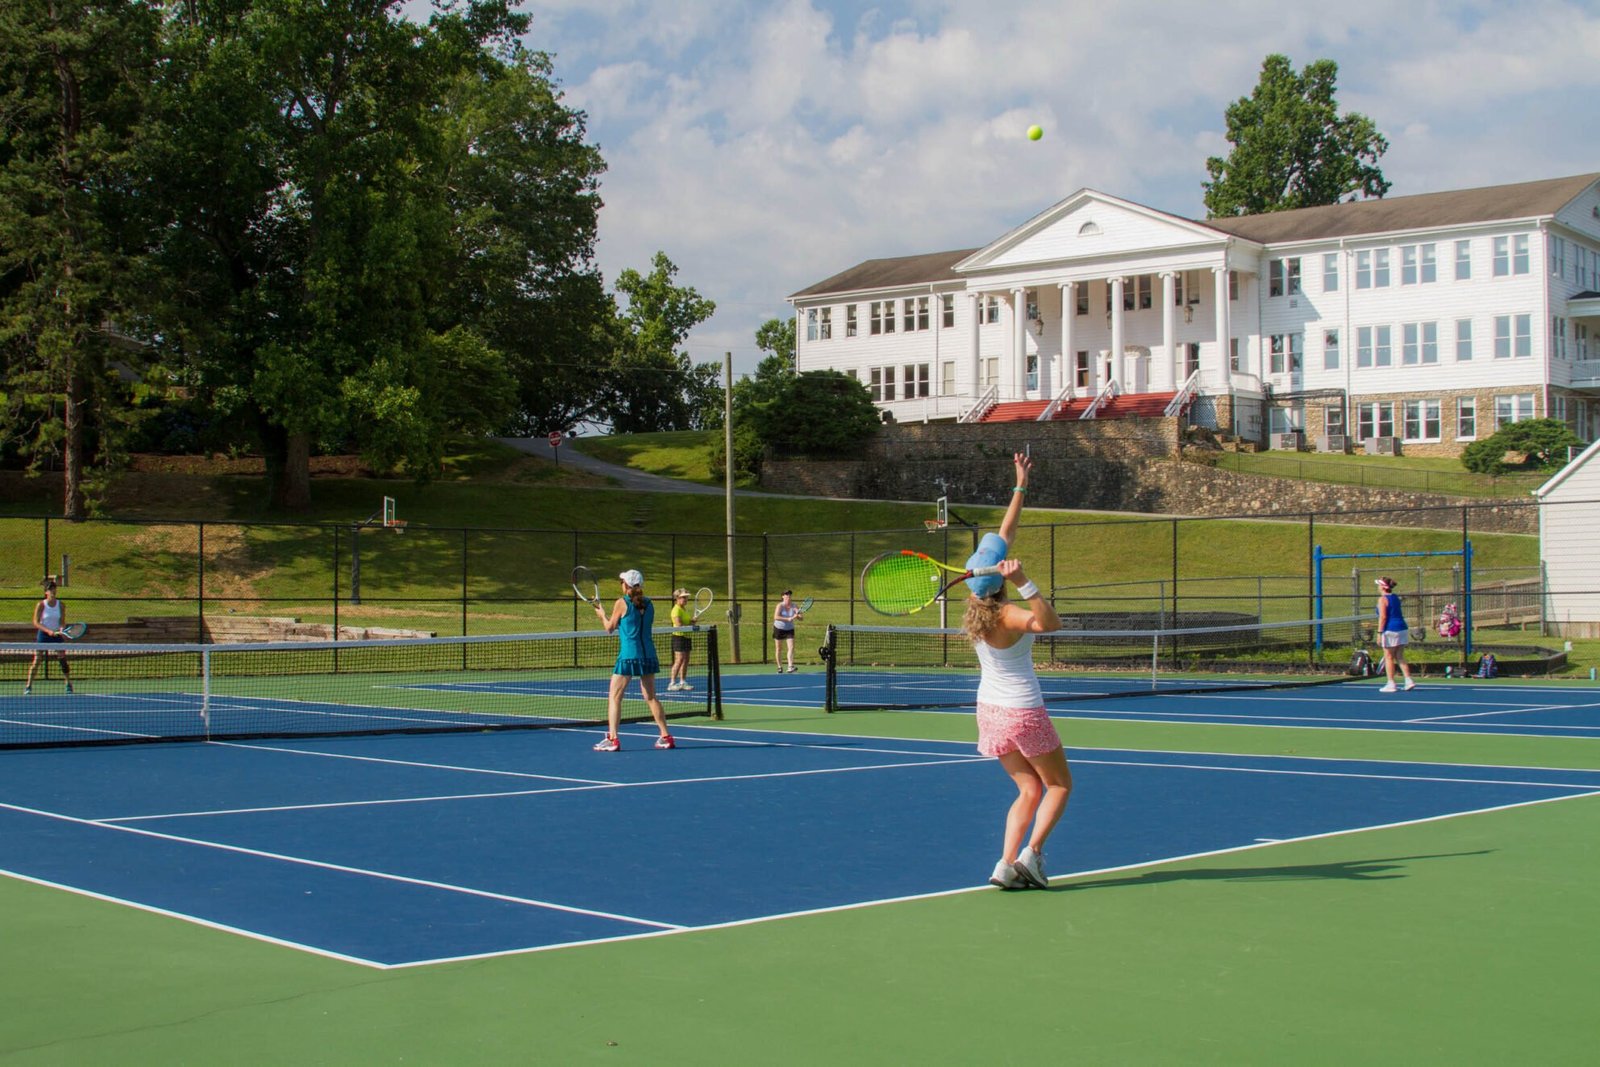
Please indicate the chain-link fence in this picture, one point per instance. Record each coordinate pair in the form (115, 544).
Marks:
(172, 581)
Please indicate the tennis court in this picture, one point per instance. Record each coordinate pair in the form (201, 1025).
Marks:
(1254, 867)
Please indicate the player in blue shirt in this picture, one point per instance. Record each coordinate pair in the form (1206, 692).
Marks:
(632, 617)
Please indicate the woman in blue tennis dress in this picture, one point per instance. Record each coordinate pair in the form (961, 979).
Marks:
(632, 617)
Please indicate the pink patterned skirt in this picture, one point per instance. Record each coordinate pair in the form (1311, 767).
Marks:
(1025, 730)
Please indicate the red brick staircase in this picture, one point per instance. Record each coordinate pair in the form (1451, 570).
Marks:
(1125, 406)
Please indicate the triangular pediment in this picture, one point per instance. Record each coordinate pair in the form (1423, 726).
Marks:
(1090, 225)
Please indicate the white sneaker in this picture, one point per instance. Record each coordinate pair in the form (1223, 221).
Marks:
(1410, 685)
(1388, 688)
(1030, 869)
(1005, 876)
(791, 668)
(685, 687)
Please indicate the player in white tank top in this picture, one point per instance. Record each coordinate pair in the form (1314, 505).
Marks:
(49, 615)
(1013, 725)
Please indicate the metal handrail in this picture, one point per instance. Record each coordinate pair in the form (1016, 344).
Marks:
(1185, 395)
(980, 407)
(1055, 405)
(1101, 399)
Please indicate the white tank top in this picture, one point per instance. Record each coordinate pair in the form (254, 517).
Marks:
(1008, 680)
(50, 615)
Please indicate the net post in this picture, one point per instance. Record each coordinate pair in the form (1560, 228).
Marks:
(713, 675)
(830, 658)
(205, 691)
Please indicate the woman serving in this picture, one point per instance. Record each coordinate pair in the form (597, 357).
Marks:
(1013, 725)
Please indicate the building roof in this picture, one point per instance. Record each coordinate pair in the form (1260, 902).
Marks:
(1570, 469)
(1423, 211)
(1522, 200)
(891, 273)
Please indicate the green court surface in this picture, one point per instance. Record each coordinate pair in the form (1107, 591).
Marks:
(1468, 939)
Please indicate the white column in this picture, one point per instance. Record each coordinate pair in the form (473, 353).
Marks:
(1225, 374)
(1117, 369)
(1069, 311)
(974, 371)
(1019, 344)
(1166, 376)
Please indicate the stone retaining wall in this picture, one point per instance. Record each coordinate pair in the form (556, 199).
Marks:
(1124, 465)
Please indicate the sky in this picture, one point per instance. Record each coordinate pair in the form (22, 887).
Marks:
(765, 145)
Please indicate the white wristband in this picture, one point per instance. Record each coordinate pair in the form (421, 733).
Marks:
(1028, 590)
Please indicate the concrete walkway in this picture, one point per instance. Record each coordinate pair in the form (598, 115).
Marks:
(627, 477)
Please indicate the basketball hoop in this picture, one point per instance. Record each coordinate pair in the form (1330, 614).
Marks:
(932, 525)
(397, 525)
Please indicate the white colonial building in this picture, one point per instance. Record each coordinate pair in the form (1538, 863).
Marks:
(1420, 322)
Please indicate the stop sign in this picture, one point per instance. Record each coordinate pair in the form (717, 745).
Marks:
(555, 438)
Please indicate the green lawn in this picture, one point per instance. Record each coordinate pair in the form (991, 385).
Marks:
(511, 526)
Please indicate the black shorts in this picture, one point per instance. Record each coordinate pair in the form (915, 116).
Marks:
(681, 643)
(48, 639)
(782, 635)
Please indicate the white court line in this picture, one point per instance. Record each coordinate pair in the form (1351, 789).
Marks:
(110, 820)
(1146, 715)
(1510, 711)
(340, 868)
(987, 888)
(254, 935)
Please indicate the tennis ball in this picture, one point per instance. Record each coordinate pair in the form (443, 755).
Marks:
(1034, 133)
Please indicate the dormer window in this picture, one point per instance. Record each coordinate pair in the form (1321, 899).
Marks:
(1089, 229)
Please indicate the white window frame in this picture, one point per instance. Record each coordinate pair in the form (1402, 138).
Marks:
(1463, 340)
(1375, 419)
(947, 310)
(1466, 418)
(850, 327)
(825, 324)
(1463, 261)
(1330, 272)
(1420, 420)
(914, 380)
(1330, 350)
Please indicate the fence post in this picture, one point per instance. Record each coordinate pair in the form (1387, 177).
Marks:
(200, 588)
(464, 534)
(336, 595)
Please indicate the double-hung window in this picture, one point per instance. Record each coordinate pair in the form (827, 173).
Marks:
(1420, 421)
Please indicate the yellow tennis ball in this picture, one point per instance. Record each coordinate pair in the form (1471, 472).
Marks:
(1034, 133)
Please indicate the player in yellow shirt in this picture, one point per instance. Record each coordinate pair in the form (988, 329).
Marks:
(681, 615)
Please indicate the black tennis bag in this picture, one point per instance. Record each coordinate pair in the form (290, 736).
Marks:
(1361, 664)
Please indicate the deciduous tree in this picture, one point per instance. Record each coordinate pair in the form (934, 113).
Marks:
(1292, 148)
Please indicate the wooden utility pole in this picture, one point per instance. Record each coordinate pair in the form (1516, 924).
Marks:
(727, 468)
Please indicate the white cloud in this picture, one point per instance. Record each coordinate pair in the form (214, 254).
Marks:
(766, 145)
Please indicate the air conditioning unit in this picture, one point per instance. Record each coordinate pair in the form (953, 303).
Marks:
(1382, 446)
(1333, 442)
(1288, 442)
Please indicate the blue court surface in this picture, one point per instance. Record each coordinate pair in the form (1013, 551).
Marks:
(1439, 706)
(404, 850)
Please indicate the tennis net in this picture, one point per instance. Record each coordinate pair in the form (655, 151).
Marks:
(912, 667)
(132, 693)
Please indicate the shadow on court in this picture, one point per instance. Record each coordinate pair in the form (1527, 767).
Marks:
(1349, 870)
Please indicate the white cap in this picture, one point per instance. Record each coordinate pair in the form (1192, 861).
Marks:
(632, 577)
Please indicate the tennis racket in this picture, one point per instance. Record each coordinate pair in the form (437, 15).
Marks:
(586, 584)
(702, 602)
(74, 630)
(807, 604)
(905, 582)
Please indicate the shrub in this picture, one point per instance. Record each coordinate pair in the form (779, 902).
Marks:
(1542, 443)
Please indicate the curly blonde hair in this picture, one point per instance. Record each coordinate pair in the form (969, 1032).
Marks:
(982, 615)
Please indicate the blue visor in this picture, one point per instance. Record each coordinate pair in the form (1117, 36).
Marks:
(991, 550)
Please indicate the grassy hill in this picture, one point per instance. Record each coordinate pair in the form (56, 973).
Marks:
(528, 521)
